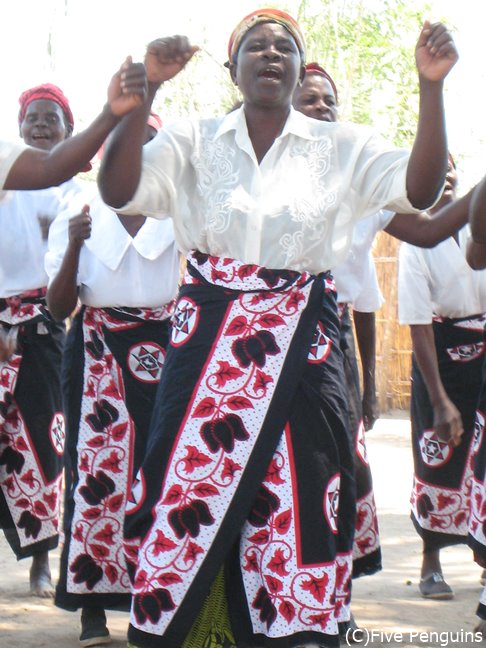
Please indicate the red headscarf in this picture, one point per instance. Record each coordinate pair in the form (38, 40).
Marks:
(47, 91)
(154, 121)
(315, 68)
(264, 16)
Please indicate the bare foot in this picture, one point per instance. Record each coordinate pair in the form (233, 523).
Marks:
(40, 576)
(481, 627)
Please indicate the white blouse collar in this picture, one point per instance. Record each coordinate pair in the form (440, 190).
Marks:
(296, 124)
(153, 238)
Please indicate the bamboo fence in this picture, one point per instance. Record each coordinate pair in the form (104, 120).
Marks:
(393, 343)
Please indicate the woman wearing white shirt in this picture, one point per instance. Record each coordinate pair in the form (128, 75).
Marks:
(124, 271)
(476, 256)
(31, 422)
(26, 167)
(444, 302)
(249, 462)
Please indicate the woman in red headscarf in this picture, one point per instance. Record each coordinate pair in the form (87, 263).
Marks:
(31, 420)
(357, 287)
(248, 463)
(25, 167)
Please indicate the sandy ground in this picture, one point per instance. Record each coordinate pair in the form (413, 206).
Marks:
(387, 605)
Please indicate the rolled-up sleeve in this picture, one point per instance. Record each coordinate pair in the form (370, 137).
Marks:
(164, 162)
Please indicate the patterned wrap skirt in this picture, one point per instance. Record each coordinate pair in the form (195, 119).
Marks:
(111, 370)
(248, 464)
(477, 513)
(31, 426)
(443, 474)
(366, 545)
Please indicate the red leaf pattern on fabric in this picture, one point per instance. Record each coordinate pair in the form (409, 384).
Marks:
(162, 544)
(273, 473)
(112, 463)
(194, 459)
(278, 563)
(174, 495)
(205, 490)
(169, 578)
(274, 584)
(226, 373)
(193, 550)
(317, 587)
(282, 522)
(270, 320)
(206, 408)
(287, 610)
(238, 326)
(238, 403)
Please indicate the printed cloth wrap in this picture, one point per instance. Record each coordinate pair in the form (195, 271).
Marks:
(248, 463)
(477, 510)
(31, 425)
(366, 545)
(443, 474)
(111, 371)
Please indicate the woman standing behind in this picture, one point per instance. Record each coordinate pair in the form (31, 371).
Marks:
(444, 302)
(357, 286)
(125, 273)
(31, 419)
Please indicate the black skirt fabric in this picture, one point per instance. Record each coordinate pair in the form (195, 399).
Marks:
(248, 463)
(32, 426)
(366, 544)
(443, 473)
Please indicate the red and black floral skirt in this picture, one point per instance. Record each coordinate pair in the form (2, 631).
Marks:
(443, 474)
(31, 425)
(112, 366)
(248, 463)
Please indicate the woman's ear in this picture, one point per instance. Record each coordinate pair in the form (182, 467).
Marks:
(302, 74)
(232, 69)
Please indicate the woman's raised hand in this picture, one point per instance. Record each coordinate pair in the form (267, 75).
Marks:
(128, 88)
(165, 57)
(435, 53)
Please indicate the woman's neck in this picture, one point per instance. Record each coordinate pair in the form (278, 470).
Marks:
(132, 223)
(264, 126)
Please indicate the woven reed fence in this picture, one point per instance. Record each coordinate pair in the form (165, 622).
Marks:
(393, 343)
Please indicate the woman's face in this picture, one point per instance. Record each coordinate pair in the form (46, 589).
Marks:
(268, 66)
(44, 124)
(315, 98)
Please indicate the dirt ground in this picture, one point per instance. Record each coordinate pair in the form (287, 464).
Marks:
(387, 605)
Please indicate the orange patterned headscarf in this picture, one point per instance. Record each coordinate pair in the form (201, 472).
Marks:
(264, 16)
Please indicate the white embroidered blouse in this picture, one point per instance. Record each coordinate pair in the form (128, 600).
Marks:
(295, 210)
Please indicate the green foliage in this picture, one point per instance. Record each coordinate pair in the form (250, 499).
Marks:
(366, 45)
(368, 48)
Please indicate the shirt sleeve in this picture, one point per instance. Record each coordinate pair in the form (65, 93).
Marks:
(369, 298)
(164, 164)
(9, 152)
(414, 294)
(380, 176)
